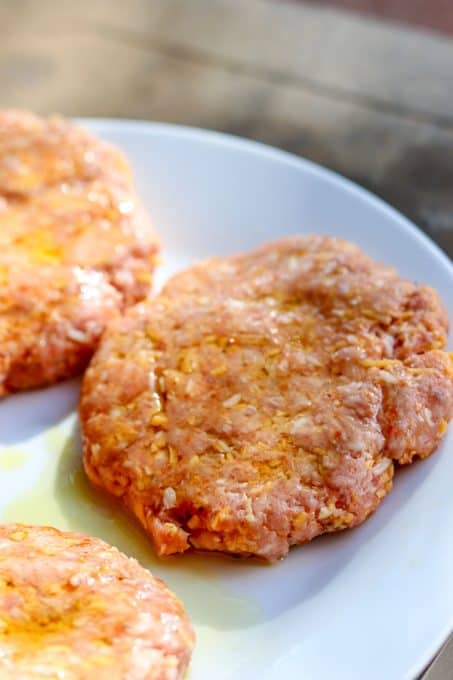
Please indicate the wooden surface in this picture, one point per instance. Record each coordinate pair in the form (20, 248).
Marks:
(442, 666)
(433, 14)
(370, 100)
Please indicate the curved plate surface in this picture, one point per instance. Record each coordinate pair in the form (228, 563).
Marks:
(371, 603)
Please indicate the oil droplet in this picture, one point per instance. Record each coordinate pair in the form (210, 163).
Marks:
(63, 497)
(12, 458)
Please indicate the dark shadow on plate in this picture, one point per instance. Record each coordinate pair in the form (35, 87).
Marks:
(26, 414)
(232, 592)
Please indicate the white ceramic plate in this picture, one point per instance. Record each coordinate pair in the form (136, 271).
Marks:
(370, 604)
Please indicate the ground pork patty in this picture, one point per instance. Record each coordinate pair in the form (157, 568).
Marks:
(73, 607)
(261, 399)
(75, 247)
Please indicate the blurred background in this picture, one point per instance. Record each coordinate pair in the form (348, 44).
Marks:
(362, 86)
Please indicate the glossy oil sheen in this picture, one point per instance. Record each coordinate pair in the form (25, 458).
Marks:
(367, 604)
(62, 497)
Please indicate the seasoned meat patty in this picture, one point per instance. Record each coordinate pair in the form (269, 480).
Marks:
(262, 399)
(73, 607)
(74, 247)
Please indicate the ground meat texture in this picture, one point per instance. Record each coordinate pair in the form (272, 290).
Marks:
(75, 247)
(261, 400)
(73, 607)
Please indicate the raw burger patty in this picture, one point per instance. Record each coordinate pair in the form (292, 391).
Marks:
(74, 247)
(73, 607)
(262, 399)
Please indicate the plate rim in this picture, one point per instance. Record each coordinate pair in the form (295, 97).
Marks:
(272, 153)
(227, 139)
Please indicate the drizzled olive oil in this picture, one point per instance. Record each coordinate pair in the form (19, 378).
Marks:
(61, 496)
